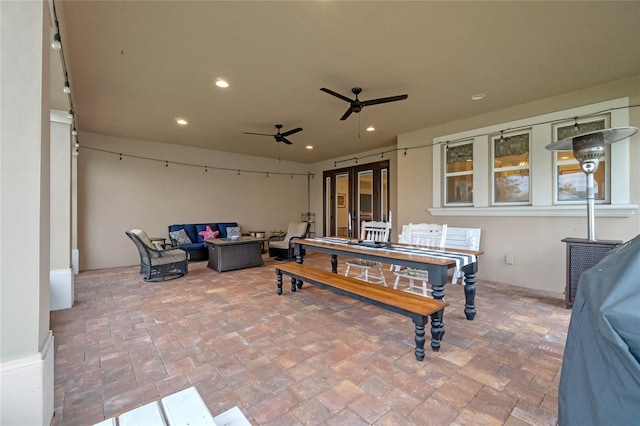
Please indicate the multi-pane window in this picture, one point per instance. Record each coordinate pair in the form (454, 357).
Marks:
(571, 180)
(459, 174)
(511, 168)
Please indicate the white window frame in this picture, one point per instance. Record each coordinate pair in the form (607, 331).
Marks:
(542, 168)
(454, 174)
(495, 169)
(604, 162)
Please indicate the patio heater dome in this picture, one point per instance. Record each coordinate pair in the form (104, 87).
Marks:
(588, 148)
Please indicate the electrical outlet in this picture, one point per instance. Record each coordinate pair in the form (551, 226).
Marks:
(508, 259)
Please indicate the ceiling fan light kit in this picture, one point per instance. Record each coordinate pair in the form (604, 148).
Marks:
(356, 105)
(279, 137)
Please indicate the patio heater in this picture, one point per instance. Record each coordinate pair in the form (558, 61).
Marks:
(588, 149)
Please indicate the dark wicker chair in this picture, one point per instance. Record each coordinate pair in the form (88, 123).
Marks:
(158, 265)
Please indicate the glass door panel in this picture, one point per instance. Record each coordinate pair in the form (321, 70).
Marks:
(342, 206)
(365, 196)
(384, 196)
(327, 206)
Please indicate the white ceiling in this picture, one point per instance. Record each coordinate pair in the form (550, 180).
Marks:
(136, 66)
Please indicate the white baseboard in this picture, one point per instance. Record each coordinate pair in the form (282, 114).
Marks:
(61, 289)
(75, 260)
(27, 396)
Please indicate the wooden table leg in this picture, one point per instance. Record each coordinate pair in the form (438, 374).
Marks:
(470, 295)
(279, 281)
(420, 323)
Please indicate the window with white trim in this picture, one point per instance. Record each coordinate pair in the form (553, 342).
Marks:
(458, 172)
(571, 182)
(548, 182)
(510, 169)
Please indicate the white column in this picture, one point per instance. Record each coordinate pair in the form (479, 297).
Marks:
(61, 274)
(26, 345)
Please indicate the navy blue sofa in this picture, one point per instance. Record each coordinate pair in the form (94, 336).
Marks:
(198, 248)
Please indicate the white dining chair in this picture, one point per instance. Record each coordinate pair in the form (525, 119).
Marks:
(421, 235)
(377, 232)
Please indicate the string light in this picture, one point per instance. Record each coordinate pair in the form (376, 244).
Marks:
(206, 169)
(430, 145)
(56, 44)
(120, 157)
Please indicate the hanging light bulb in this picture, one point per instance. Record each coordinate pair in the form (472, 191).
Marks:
(70, 114)
(67, 88)
(56, 44)
(74, 132)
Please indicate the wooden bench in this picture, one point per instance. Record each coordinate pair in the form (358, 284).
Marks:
(418, 308)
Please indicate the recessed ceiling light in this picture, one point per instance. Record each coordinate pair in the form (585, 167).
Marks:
(370, 129)
(478, 97)
(309, 147)
(222, 83)
(181, 121)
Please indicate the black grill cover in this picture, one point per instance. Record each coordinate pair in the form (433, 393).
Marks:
(600, 380)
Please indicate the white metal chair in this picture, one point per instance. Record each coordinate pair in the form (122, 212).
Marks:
(423, 235)
(371, 231)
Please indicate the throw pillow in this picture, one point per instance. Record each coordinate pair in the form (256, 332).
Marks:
(180, 236)
(208, 233)
(233, 231)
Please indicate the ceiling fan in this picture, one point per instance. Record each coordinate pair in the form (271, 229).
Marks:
(356, 105)
(279, 137)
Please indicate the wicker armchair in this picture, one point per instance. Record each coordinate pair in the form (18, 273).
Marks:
(158, 265)
(281, 247)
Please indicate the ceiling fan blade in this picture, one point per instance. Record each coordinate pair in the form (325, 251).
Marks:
(346, 114)
(385, 100)
(291, 132)
(260, 134)
(337, 95)
(287, 141)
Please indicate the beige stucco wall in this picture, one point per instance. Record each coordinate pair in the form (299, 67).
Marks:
(117, 195)
(534, 242)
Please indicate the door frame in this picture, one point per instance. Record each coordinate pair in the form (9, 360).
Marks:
(352, 172)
